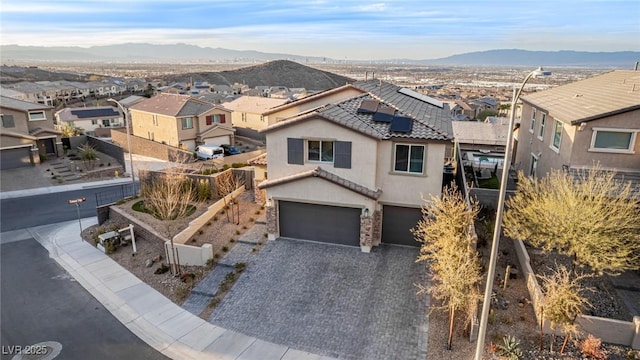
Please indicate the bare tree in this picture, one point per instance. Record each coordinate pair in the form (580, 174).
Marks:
(226, 183)
(447, 248)
(169, 196)
(593, 218)
(563, 301)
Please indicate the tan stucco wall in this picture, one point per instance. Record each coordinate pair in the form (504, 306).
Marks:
(19, 119)
(573, 146)
(252, 120)
(319, 191)
(405, 189)
(363, 150)
(166, 130)
(259, 172)
(304, 106)
(581, 156)
(22, 123)
(10, 141)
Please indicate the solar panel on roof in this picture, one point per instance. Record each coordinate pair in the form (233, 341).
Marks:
(421, 97)
(90, 113)
(401, 124)
(368, 107)
(384, 114)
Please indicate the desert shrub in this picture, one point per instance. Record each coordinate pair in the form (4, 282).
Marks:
(225, 248)
(591, 347)
(510, 348)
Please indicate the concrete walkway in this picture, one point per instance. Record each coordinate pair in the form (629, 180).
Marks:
(163, 325)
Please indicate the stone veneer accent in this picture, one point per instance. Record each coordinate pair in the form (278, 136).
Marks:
(259, 195)
(377, 228)
(366, 233)
(272, 221)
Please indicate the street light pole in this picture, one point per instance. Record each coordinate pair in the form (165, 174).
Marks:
(127, 120)
(486, 304)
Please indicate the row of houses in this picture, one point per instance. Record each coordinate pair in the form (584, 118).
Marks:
(352, 164)
(48, 92)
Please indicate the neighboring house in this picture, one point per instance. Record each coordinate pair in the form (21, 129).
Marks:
(462, 111)
(27, 132)
(181, 121)
(322, 98)
(577, 125)
(247, 113)
(89, 118)
(131, 100)
(356, 172)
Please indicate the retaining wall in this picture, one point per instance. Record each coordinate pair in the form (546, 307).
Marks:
(609, 330)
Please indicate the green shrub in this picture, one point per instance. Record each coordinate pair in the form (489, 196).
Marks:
(244, 227)
(257, 212)
(225, 248)
(237, 232)
(510, 348)
(232, 240)
(252, 219)
(240, 266)
(200, 231)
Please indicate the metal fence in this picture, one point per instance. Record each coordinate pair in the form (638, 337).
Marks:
(114, 195)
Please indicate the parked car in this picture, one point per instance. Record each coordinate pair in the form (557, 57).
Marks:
(207, 152)
(230, 150)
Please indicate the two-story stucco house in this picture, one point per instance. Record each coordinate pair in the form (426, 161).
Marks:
(355, 172)
(247, 113)
(181, 121)
(27, 132)
(89, 118)
(577, 125)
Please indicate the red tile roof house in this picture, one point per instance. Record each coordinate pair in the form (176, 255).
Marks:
(181, 121)
(355, 172)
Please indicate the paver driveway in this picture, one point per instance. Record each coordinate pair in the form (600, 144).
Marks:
(331, 300)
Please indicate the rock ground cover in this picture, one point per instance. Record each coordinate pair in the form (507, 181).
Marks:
(218, 234)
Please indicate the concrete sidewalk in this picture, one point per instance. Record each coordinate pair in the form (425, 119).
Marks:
(156, 320)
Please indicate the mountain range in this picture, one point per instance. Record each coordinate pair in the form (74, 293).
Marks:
(136, 52)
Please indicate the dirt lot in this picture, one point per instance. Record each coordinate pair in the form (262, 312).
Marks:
(517, 319)
(219, 234)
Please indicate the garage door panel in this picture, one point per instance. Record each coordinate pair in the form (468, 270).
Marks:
(14, 158)
(397, 223)
(218, 140)
(331, 224)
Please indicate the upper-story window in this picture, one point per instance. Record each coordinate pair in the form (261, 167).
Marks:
(187, 123)
(533, 120)
(557, 135)
(409, 158)
(37, 116)
(613, 140)
(7, 121)
(320, 150)
(216, 118)
(543, 122)
(336, 152)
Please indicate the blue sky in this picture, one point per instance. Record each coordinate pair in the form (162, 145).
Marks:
(421, 29)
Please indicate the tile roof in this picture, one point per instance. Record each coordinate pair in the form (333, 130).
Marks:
(309, 98)
(259, 160)
(593, 98)
(473, 132)
(438, 118)
(632, 177)
(173, 105)
(22, 105)
(346, 114)
(323, 174)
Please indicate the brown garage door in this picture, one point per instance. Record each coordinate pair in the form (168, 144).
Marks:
(330, 224)
(14, 158)
(397, 222)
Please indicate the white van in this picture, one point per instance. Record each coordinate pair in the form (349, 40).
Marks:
(207, 152)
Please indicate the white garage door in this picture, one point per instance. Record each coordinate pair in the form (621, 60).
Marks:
(218, 140)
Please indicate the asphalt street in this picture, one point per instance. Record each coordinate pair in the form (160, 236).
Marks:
(50, 208)
(41, 302)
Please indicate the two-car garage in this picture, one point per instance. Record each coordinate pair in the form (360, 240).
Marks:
(341, 225)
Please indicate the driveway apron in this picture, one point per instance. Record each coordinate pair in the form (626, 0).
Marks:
(331, 300)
